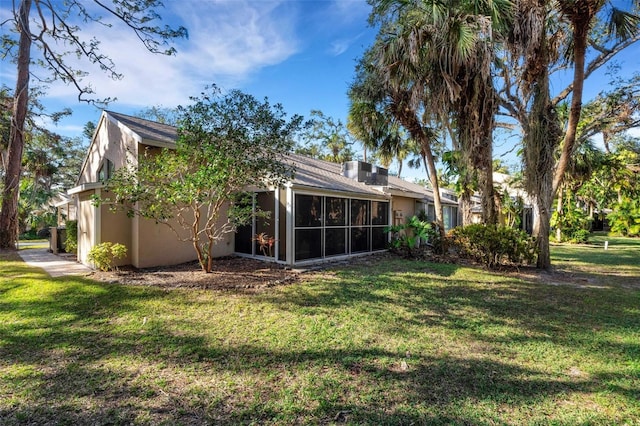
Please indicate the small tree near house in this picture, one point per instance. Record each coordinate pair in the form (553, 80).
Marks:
(226, 143)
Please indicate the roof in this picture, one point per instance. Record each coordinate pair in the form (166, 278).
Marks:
(320, 174)
(149, 131)
(310, 173)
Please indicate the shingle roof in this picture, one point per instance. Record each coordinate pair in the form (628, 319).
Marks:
(313, 173)
(310, 172)
(149, 131)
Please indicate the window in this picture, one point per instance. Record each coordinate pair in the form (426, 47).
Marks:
(450, 219)
(106, 170)
(308, 211)
(335, 226)
(335, 233)
(246, 238)
(359, 212)
(336, 209)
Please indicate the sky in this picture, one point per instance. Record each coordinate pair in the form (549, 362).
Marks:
(300, 53)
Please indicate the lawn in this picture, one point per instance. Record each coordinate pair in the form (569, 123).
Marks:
(385, 342)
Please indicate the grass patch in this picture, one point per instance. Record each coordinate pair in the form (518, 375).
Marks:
(389, 342)
(619, 264)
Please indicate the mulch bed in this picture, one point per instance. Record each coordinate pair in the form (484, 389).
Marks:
(231, 273)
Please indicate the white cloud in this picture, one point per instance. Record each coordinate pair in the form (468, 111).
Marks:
(228, 42)
(339, 46)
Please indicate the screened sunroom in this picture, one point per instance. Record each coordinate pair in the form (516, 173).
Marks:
(309, 226)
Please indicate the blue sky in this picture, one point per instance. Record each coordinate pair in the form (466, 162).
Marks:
(300, 53)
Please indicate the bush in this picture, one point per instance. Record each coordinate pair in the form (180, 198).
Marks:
(574, 224)
(405, 239)
(625, 218)
(494, 245)
(71, 242)
(31, 234)
(105, 253)
(44, 233)
(580, 236)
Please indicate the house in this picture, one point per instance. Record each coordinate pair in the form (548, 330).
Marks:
(326, 211)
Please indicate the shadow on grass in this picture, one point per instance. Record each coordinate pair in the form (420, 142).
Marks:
(79, 366)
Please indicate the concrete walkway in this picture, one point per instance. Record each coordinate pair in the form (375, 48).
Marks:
(53, 265)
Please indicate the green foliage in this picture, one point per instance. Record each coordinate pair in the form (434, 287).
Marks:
(71, 242)
(493, 245)
(625, 217)
(105, 253)
(326, 139)
(225, 144)
(573, 221)
(406, 238)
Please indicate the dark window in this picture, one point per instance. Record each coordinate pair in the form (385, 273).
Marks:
(282, 234)
(244, 235)
(360, 239)
(265, 224)
(379, 213)
(335, 241)
(431, 212)
(308, 211)
(359, 212)
(336, 211)
(378, 238)
(106, 170)
(308, 244)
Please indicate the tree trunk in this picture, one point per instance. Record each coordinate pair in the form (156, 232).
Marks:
(559, 214)
(541, 230)
(433, 178)
(465, 206)
(409, 120)
(9, 209)
(580, 32)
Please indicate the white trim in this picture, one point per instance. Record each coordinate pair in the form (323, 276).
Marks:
(336, 193)
(91, 144)
(97, 222)
(289, 259)
(85, 187)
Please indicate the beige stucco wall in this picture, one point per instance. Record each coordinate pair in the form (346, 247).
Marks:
(156, 244)
(110, 142)
(115, 227)
(405, 205)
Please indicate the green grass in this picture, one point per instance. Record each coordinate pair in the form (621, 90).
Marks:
(619, 264)
(390, 342)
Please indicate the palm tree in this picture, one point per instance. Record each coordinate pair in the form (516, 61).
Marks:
(448, 47)
(381, 101)
(537, 36)
(386, 139)
(581, 15)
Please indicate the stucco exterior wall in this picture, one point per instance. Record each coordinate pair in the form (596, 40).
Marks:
(112, 142)
(403, 205)
(157, 245)
(115, 227)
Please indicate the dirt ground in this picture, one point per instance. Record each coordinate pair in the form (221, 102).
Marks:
(250, 275)
(229, 273)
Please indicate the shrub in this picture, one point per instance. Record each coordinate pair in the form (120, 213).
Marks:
(409, 236)
(31, 234)
(580, 236)
(44, 233)
(71, 242)
(494, 245)
(105, 253)
(625, 218)
(574, 224)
